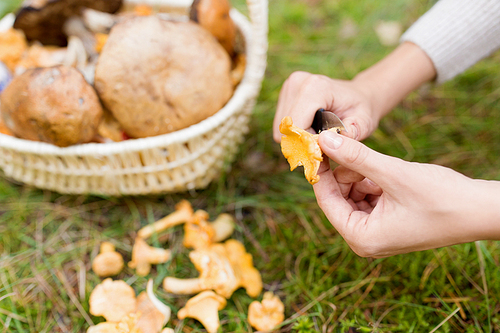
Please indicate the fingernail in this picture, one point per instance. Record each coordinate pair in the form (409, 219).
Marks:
(333, 140)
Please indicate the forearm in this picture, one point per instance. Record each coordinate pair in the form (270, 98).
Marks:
(390, 80)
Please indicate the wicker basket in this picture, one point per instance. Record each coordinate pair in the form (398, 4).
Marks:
(183, 160)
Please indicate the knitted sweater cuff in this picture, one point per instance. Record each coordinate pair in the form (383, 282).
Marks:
(456, 34)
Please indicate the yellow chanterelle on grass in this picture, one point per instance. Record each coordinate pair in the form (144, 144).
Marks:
(301, 148)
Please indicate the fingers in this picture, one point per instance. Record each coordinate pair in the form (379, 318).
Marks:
(345, 175)
(353, 155)
(330, 199)
(354, 185)
(359, 127)
(361, 190)
(301, 95)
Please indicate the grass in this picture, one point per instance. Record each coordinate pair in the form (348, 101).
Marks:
(47, 240)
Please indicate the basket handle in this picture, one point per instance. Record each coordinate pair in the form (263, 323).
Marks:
(259, 12)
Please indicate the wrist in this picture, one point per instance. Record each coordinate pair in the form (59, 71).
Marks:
(389, 81)
(484, 219)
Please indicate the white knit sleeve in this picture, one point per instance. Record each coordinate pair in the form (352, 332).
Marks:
(456, 34)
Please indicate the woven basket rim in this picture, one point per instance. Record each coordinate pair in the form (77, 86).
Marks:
(242, 91)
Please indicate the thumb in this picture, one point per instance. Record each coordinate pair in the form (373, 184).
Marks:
(358, 157)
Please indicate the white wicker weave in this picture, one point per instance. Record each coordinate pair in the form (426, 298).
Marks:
(183, 160)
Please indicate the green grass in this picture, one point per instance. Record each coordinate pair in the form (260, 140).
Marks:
(47, 240)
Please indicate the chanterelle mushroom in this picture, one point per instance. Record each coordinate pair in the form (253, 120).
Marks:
(266, 315)
(108, 262)
(216, 272)
(249, 277)
(126, 325)
(143, 256)
(13, 47)
(149, 315)
(153, 313)
(112, 299)
(200, 233)
(183, 213)
(301, 148)
(205, 308)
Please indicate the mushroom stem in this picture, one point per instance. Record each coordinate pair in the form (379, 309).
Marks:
(182, 286)
(144, 255)
(75, 27)
(183, 213)
(223, 227)
(98, 21)
(164, 309)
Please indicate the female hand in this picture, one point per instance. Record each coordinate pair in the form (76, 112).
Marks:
(304, 93)
(361, 102)
(401, 206)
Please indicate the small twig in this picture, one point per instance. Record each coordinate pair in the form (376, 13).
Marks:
(445, 320)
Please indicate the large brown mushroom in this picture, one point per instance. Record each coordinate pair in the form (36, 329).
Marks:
(43, 20)
(54, 105)
(159, 76)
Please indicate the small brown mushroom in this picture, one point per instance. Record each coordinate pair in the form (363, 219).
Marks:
(143, 256)
(205, 308)
(110, 129)
(112, 299)
(108, 262)
(183, 213)
(54, 105)
(213, 15)
(266, 315)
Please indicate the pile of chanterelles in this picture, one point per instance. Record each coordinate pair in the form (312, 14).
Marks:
(223, 265)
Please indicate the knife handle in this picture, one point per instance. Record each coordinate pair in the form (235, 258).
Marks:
(317, 124)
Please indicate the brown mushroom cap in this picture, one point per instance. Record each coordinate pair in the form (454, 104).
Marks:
(159, 76)
(54, 105)
(43, 20)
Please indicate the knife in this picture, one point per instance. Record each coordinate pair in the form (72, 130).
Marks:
(325, 120)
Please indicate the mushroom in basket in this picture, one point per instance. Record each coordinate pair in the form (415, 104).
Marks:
(54, 105)
(43, 20)
(157, 76)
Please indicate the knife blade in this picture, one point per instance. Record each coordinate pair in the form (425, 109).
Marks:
(325, 120)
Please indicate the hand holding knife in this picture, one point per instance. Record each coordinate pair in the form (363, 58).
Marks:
(326, 120)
